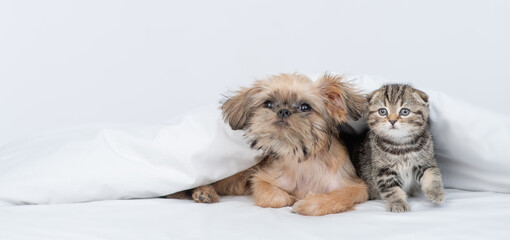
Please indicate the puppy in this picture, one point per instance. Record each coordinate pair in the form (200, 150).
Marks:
(294, 121)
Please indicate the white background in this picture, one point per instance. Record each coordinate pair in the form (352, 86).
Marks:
(65, 63)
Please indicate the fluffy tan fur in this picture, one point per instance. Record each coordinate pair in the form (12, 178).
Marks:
(304, 163)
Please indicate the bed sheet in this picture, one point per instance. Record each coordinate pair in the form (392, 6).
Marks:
(465, 215)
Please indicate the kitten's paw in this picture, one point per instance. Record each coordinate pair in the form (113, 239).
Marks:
(398, 207)
(432, 186)
(436, 195)
(205, 194)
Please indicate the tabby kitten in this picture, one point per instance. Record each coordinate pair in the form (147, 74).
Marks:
(397, 156)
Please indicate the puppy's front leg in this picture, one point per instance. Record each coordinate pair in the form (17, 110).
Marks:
(237, 184)
(337, 201)
(202, 194)
(267, 195)
(205, 194)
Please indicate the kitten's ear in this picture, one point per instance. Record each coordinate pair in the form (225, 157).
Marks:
(238, 109)
(421, 95)
(343, 102)
(369, 96)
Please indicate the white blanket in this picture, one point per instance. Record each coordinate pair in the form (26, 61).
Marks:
(88, 164)
(464, 215)
(98, 163)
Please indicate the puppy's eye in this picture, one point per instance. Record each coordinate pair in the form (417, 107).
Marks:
(383, 112)
(268, 104)
(305, 107)
(405, 111)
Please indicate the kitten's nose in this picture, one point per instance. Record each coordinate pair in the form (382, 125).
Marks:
(393, 122)
(284, 113)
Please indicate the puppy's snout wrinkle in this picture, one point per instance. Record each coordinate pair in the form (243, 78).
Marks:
(284, 113)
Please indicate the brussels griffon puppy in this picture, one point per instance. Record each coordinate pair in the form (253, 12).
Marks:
(294, 120)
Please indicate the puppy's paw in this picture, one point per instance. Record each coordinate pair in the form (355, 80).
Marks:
(205, 194)
(435, 195)
(398, 207)
(275, 199)
(306, 207)
(318, 205)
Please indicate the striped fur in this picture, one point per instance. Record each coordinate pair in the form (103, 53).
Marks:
(397, 158)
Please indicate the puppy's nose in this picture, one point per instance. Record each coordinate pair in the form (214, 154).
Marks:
(393, 122)
(284, 113)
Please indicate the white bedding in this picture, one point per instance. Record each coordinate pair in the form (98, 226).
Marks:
(91, 163)
(82, 165)
(71, 169)
(465, 215)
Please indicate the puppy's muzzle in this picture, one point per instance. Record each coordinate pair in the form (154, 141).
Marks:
(284, 113)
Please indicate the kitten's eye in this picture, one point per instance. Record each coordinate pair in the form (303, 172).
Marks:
(383, 112)
(305, 107)
(405, 111)
(268, 104)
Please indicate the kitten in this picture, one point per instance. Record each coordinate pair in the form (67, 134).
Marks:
(396, 157)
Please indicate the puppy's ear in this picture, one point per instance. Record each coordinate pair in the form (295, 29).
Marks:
(343, 102)
(238, 109)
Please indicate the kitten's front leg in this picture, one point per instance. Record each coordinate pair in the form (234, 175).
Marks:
(390, 188)
(396, 200)
(432, 185)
